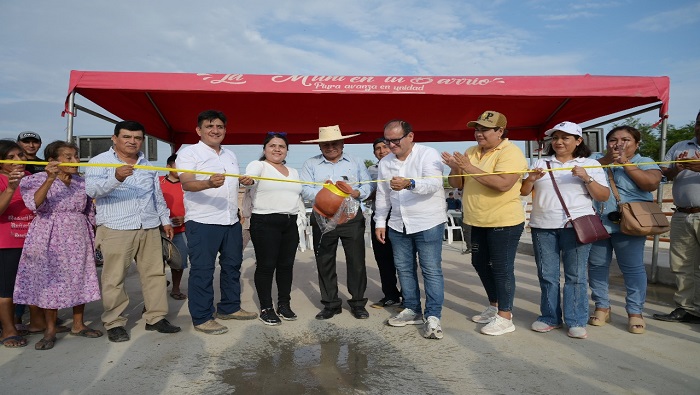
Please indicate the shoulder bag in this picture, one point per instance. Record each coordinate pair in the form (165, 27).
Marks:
(639, 218)
(588, 228)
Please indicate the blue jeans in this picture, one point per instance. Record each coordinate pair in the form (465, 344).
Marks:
(205, 241)
(629, 251)
(493, 257)
(428, 245)
(553, 247)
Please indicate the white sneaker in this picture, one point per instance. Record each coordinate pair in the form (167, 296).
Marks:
(432, 328)
(486, 316)
(542, 327)
(406, 317)
(499, 326)
(578, 332)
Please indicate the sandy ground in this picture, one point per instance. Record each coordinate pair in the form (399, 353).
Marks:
(347, 356)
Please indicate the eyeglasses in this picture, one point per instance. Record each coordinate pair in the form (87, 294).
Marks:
(283, 134)
(394, 141)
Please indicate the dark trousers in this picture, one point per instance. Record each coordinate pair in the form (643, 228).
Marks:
(204, 241)
(384, 256)
(275, 239)
(352, 235)
(493, 257)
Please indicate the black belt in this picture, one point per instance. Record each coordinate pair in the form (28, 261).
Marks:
(688, 210)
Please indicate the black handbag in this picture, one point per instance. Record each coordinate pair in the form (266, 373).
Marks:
(588, 228)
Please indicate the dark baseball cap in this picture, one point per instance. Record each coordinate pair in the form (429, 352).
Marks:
(28, 135)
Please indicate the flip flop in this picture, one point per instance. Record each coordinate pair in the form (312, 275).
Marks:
(45, 344)
(178, 296)
(19, 342)
(88, 332)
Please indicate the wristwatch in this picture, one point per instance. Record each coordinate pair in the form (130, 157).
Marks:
(412, 185)
(590, 180)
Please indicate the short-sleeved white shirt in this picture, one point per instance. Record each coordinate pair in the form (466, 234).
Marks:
(547, 211)
(274, 197)
(215, 206)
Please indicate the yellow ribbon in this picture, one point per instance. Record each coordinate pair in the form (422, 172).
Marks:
(209, 173)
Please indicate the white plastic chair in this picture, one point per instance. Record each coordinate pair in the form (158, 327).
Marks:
(450, 226)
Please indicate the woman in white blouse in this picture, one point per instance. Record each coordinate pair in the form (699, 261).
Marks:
(580, 181)
(273, 226)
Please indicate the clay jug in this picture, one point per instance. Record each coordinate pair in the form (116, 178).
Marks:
(329, 198)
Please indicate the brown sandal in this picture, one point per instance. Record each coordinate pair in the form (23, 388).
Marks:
(636, 325)
(45, 344)
(599, 317)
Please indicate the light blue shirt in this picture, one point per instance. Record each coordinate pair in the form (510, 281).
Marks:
(349, 169)
(133, 204)
(626, 188)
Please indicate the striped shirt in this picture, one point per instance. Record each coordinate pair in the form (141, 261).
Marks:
(347, 169)
(133, 204)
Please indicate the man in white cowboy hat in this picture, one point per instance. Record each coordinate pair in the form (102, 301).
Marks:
(334, 165)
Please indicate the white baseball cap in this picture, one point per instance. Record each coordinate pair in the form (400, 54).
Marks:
(566, 127)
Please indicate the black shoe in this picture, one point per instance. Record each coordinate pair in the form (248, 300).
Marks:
(268, 317)
(359, 312)
(386, 302)
(284, 311)
(678, 315)
(163, 326)
(118, 334)
(328, 312)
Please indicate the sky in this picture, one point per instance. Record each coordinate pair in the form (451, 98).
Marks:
(43, 40)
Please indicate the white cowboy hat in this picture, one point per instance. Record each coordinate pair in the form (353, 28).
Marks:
(329, 133)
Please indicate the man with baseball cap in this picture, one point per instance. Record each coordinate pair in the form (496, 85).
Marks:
(30, 142)
(334, 165)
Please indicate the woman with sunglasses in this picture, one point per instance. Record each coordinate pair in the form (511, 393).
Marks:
(635, 179)
(273, 226)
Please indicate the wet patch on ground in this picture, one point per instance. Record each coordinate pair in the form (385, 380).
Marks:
(322, 360)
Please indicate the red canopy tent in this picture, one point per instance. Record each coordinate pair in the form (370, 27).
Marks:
(437, 107)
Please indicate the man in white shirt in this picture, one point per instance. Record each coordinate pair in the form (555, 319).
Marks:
(415, 196)
(212, 226)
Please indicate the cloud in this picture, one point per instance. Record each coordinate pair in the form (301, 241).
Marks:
(679, 18)
(569, 16)
(360, 37)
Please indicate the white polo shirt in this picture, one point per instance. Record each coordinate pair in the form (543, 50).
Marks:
(214, 206)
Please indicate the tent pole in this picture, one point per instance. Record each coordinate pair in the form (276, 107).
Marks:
(659, 198)
(71, 111)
